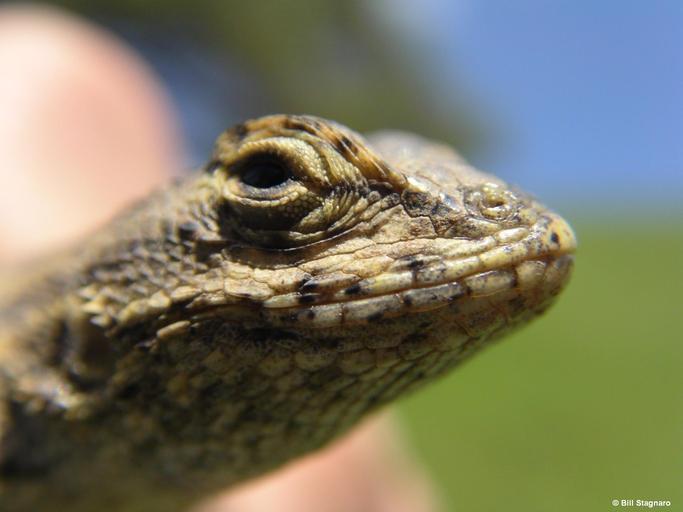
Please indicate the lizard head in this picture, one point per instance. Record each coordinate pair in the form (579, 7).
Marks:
(307, 276)
(358, 268)
(335, 229)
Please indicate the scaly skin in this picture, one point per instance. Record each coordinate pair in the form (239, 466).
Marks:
(249, 314)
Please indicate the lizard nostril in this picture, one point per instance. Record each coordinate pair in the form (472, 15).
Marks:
(495, 202)
(492, 201)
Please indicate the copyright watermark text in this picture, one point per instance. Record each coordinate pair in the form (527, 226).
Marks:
(636, 503)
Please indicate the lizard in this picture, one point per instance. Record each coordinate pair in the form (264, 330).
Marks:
(253, 311)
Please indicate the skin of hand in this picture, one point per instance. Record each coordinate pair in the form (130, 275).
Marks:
(85, 129)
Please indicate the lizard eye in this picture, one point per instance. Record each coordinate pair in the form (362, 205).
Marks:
(264, 193)
(286, 188)
(263, 172)
(263, 180)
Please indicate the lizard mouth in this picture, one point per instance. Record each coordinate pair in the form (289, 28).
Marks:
(529, 263)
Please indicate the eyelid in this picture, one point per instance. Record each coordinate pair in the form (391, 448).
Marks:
(235, 190)
(301, 158)
(268, 192)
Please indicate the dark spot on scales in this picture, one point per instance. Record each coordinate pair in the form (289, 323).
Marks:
(345, 146)
(439, 210)
(310, 314)
(375, 316)
(240, 130)
(418, 204)
(187, 230)
(129, 391)
(308, 127)
(515, 279)
(354, 289)
(339, 146)
(307, 298)
(414, 263)
(308, 285)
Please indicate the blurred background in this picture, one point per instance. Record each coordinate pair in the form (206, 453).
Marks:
(580, 103)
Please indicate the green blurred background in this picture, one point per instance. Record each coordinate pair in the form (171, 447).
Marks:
(581, 407)
(579, 102)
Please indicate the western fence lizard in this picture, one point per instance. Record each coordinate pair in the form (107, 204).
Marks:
(250, 313)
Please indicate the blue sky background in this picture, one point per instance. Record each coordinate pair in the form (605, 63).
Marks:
(585, 99)
(581, 101)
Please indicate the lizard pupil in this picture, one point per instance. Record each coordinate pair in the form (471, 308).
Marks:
(264, 173)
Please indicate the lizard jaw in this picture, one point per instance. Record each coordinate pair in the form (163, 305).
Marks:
(535, 262)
